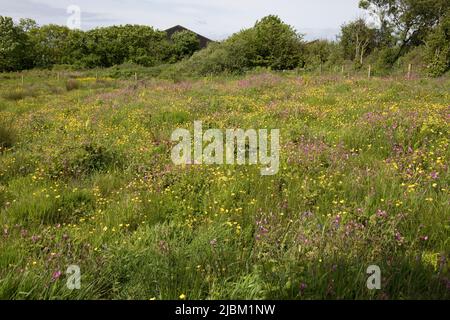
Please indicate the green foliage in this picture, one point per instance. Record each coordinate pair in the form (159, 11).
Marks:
(409, 20)
(269, 44)
(14, 46)
(357, 40)
(26, 45)
(50, 45)
(383, 59)
(184, 43)
(276, 44)
(321, 52)
(438, 48)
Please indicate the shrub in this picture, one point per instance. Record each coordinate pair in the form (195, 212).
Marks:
(415, 57)
(383, 59)
(270, 44)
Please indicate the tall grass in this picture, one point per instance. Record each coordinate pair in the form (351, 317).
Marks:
(363, 181)
(7, 137)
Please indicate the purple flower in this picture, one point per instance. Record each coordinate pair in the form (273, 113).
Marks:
(56, 275)
(381, 213)
(434, 175)
(303, 286)
(399, 237)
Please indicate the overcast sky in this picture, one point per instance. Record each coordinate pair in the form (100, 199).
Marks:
(216, 19)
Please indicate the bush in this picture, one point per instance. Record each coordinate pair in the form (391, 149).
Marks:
(415, 57)
(270, 44)
(383, 59)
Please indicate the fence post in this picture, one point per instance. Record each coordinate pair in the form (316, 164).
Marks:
(409, 71)
(135, 77)
(370, 71)
(57, 76)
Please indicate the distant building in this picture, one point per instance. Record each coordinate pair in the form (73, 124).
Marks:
(203, 40)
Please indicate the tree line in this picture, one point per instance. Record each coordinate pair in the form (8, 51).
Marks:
(400, 29)
(26, 45)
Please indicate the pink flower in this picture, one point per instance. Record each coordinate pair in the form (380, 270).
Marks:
(434, 175)
(303, 287)
(382, 213)
(56, 275)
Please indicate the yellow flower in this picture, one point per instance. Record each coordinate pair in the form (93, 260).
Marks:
(182, 296)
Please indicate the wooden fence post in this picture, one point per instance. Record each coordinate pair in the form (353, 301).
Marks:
(135, 77)
(409, 70)
(370, 71)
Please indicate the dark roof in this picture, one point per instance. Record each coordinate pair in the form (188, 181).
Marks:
(203, 40)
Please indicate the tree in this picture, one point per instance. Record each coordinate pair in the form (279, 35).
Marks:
(49, 44)
(184, 44)
(438, 48)
(277, 44)
(14, 46)
(319, 52)
(357, 40)
(409, 20)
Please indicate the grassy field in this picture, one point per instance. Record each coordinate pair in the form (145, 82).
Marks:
(86, 179)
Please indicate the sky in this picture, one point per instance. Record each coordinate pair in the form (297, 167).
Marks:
(215, 19)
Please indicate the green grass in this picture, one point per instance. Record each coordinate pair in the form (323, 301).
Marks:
(86, 178)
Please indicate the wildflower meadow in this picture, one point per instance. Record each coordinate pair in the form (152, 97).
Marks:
(88, 186)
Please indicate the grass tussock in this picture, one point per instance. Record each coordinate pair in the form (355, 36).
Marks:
(7, 137)
(72, 84)
(17, 94)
